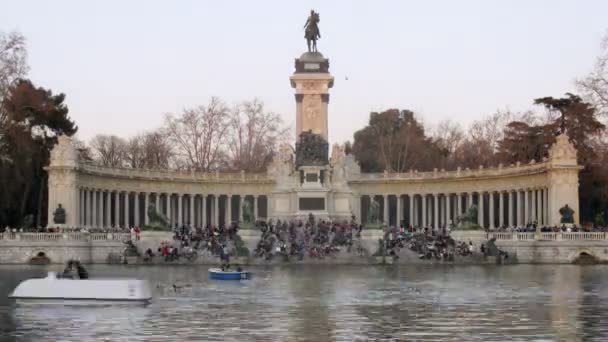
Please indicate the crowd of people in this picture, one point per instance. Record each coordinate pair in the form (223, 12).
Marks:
(189, 243)
(307, 238)
(427, 243)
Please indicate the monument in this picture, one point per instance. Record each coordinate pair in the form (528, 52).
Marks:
(308, 180)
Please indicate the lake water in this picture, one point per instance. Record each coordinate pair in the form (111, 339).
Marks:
(325, 303)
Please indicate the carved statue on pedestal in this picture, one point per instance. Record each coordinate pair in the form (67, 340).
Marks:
(567, 214)
(59, 215)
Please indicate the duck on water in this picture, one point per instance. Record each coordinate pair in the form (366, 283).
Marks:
(74, 287)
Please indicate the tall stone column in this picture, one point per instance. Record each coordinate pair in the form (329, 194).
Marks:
(532, 204)
(255, 207)
(423, 200)
(415, 206)
(385, 217)
(108, 209)
(94, 208)
(168, 208)
(436, 211)
(81, 217)
(447, 209)
(204, 215)
(180, 210)
(511, 205)
(519, 215)
(546, 206)
(146, 206)
(216, 210)
(501, 209)
(242, 199)
(399, 209)
(228, 209)
(526, 207)
(539, 206)
(480, 210)
(136, 211)
(116, 209)
(470, 202)
(411, 209)
(127, 222)
(192, 223)
(459, 204)
(491, 213)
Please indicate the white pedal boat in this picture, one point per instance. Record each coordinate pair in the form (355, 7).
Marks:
(65, 291)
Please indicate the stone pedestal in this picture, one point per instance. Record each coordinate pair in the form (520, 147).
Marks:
(312, 82)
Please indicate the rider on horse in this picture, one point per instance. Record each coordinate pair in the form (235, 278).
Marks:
(312, 32)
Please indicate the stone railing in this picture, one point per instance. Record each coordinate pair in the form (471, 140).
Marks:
(84, 237)
(548, 236)
(175, 174)
(518, 169)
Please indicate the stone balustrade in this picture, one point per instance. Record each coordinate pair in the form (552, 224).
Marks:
(548, 236)
(175, 174)
(519, 169)
(72, 236)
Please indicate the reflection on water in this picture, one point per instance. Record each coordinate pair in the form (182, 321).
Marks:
(322, 303)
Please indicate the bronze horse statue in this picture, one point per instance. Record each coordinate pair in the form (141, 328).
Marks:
(311, 32)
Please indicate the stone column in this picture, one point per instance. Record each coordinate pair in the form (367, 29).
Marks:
(157, 202)
(228, 209)
(447, 209)
(501, 209)
(526, 206)
(136, 211)
(192, 223)
(385, 217)
(480, 208)
(511, 205)
(459, 204)
(399, 209)
(518, 213)
(436, 211)
(204, 215)
(116, 209)
(491, 211)
(127, 223)
(532, 205)
(470, 203)
(241, 212)
(94, 209)
(539, 206)
(180, 210)
(81, 209)
(423, 197)
(216, 210)
(546, 206)
(146, 206)
(255, 208)
(411, 209)
(168, 208)
(108, 209)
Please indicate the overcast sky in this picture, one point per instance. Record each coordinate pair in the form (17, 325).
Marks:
(123, 64)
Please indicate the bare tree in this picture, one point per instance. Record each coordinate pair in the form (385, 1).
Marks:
(149, 150)
(197, 135)
(13, 55)
(253, 136)
(594, 86)
(108, 150)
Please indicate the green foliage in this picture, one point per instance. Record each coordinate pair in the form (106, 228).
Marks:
(32, 119)
(599, 220)
(395, 141)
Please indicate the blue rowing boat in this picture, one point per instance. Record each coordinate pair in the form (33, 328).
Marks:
(217, 273)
